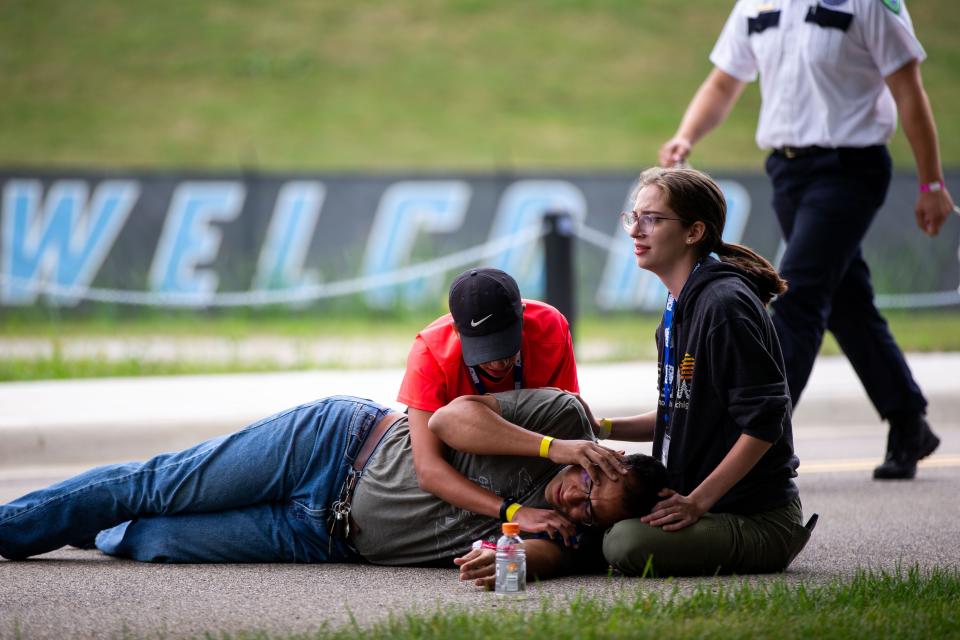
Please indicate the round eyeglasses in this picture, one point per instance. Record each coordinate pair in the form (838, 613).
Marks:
(587, 489)
(645, 222)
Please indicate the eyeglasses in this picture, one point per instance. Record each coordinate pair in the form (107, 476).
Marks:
(645, 221)
(588, 520)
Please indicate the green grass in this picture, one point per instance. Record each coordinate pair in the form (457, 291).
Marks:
(870, 606)
(608, 338)
(60, 368)
(105, 320)
(375, 84)
(923, 330)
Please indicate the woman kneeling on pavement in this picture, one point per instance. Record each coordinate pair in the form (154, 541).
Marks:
(722, 425)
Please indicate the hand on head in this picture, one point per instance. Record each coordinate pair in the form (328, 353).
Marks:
(604, 502)
(594, 458)
(553, 523)
(675, 512)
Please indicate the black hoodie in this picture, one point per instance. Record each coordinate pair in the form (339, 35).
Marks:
(729, 380)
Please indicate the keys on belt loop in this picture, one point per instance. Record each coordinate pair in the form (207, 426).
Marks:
(339, 519)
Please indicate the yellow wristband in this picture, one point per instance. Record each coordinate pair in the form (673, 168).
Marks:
(545, 446)
(512, 511)
(606, 428)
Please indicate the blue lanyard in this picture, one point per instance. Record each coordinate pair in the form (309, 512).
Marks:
(517, 377)
(668, 356)
(669, 353)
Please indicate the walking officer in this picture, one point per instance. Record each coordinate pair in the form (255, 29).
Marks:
(833, 77)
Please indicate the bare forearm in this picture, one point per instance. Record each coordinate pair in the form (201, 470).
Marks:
(710, 105)
(637, 428)
(742, 457)
(916, 117)
(448, 484)
(677, 511)
(933, 205)
(473, 424)
(436, 476)
(921, 132)
(544, 559)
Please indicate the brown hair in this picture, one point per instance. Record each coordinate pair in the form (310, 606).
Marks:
(695, 197)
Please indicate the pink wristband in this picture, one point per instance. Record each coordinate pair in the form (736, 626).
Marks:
(930, 187)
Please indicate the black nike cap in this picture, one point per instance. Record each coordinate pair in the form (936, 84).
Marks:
(488, 312)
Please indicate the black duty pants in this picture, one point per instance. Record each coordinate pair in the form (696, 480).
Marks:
(825, 203)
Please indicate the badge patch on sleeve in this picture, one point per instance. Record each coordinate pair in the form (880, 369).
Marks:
(893, 5)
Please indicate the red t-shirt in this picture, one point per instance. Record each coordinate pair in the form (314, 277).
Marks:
(436, 373)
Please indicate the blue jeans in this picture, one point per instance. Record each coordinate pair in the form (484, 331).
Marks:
(262, 494)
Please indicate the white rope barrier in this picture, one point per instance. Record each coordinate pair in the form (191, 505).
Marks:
(310, 293)
(917, 300)
(296, 295)
(597, 238)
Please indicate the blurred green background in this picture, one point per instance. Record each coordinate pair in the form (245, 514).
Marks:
(399, 84)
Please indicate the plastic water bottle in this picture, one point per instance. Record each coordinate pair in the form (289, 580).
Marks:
(511, 562)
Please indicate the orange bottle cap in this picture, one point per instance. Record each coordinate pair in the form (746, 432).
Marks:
(511, 528)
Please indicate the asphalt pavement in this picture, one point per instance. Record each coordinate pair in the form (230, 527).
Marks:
(50, 430)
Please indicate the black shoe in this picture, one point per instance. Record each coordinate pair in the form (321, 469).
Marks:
(910, 439)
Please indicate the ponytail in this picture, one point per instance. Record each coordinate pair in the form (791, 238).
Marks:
(762, 274)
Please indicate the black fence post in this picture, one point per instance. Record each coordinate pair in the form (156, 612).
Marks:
(559, 263)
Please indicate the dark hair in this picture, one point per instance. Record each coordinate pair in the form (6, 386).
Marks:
(695, 197)
(645, 479)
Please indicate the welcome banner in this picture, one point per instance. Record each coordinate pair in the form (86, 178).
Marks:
(205, 240)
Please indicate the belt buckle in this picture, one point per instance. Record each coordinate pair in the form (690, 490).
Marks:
(790, 152)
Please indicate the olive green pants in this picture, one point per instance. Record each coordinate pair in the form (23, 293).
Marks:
(717, 543)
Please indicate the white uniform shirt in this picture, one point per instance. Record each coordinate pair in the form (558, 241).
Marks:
(819, 85)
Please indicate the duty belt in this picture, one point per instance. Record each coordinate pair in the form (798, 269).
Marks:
(800, 152)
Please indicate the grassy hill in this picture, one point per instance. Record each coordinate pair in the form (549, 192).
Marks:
(393, 84)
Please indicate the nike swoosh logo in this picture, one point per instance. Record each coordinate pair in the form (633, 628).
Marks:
(477, 323)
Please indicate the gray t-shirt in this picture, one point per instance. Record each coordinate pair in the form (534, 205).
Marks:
(397, 523)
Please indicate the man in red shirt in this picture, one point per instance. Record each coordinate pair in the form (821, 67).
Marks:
(492, 340)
